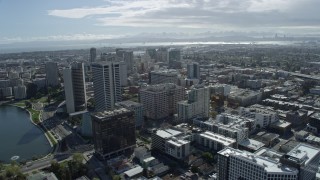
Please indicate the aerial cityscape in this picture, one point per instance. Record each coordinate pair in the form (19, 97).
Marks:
(160, 89)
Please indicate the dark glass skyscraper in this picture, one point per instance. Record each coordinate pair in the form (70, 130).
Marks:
(113, 132)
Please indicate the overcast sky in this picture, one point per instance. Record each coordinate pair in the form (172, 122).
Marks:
(32, 20)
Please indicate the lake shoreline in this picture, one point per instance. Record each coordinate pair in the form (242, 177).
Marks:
(44, 144)
(41, 127)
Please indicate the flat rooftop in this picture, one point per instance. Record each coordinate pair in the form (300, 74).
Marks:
(167, 133)
(178, 142)
(304, 153)
(226, 141)
(106, 114)
(134, 171)
(269, 165)
(129, 103)
(252, 144)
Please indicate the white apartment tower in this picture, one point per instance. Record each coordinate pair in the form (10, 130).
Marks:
(74, 86)
(197, 105)
(106, 84)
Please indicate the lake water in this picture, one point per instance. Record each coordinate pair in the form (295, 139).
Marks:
(19, 137)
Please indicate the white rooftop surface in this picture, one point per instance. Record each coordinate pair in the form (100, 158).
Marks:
(313, 138)
(268, 164)
(178, 142)
(167, 133)
(304, 152)
(148, 159)
(134, 171)
(282, 124)
(252, 144)
(218, 138)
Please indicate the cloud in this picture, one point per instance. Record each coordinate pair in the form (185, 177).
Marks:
(207, 14)
(73, 37)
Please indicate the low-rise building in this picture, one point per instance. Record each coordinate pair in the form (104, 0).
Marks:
(215, 142)
(235, 164)
(177, 148)
(305, 158)
(263, 116)
(244, 97)
(171, 142)
(227, 125)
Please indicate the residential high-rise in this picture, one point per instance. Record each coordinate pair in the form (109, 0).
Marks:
(52, 74)
(113, 132)
(123, 66)
(93, 55)
(20, 92)
(74, 86)
(127, 57)
(197, 105)
(106, 84)
(193, 71)
(160, 101)
(137, 108)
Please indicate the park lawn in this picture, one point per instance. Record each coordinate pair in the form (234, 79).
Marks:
(34, 115)
(20, 104)
(51, 138)
(43, 99)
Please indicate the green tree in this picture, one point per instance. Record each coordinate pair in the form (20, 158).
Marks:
(207, 156)
(12, 171)
(116, 177)
(78, 158)
(194, 169)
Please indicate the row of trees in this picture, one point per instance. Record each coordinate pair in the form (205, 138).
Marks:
(71, 169)
(11, 172)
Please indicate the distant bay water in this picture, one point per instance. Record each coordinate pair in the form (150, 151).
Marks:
(19, 138)
(52, 46)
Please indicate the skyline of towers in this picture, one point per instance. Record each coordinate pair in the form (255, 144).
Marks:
(74, 85)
